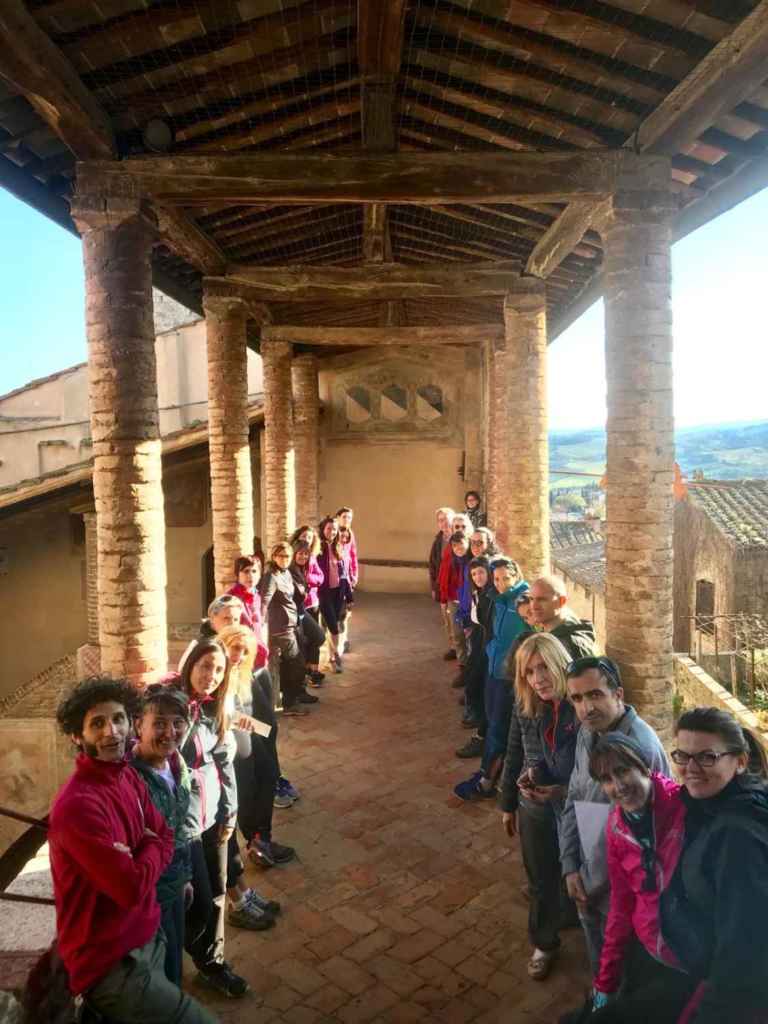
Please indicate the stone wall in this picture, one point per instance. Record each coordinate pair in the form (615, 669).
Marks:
(695, 688)
(701, 552)
(584, 602)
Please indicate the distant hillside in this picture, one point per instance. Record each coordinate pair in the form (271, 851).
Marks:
(729, 451)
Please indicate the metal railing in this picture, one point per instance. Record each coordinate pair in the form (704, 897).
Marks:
(734, 650)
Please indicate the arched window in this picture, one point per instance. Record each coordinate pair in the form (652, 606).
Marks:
(429, 402)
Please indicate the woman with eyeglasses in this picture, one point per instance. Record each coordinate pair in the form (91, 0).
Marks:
(715, 912)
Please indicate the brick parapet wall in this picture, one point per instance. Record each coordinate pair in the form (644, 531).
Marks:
(640, 449)
(229, 450)
(696, 688)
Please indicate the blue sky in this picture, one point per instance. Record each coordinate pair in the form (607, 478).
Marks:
(720, 279)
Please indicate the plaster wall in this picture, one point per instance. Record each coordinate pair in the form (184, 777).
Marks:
(46, 427)
(42, 590)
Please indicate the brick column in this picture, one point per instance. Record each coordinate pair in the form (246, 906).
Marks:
(278, 442)
(127, 472)
(640, 467)
(228, 446)
(525, 501)
(306, 436)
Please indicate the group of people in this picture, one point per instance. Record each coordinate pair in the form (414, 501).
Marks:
(668, 879)
(144, 855)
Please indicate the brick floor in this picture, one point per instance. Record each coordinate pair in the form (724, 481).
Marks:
(405, 904)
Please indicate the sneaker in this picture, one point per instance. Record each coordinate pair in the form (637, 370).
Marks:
(316, 678)
(282, 800)
(222, 978)
(338, 664)
(268, 906)
(540, 964)
(471, 789)
(308, 698)
(449, 656)
(295, 710)
(472, 748)
(287, 787)
(267, 854)
(251, 917)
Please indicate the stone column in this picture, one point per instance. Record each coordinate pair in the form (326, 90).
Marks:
(525, 501)
(278, 442)
(640, 466)
(496, 447)
(228, 445)
(127, 471)
(306, 436)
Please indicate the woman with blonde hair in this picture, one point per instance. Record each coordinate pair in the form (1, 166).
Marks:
(256, 765)
(548, 719)
(212, 816)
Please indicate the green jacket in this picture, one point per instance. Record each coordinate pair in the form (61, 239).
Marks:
(173, 807)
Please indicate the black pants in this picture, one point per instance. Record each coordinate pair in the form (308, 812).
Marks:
(651, 992)
(311, 635)
(288, 661)
(475, 672)
(541, 857)
(172, 923)
(204, 924)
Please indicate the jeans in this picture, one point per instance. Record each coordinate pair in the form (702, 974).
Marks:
(136, 991)
(456, 635)
(498, 711)
(593, 919)
(172, 923)
(541, 858)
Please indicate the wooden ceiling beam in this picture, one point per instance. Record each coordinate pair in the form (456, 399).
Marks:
(728, 74)
(186, 239)
(373, 282)
(35, 67)
(379, 336)
(419, 178)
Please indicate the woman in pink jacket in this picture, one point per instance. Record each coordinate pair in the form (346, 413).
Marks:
(640, 979)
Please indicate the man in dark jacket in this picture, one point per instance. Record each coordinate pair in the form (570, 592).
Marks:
(551, 613)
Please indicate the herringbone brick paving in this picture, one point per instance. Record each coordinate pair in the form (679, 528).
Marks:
(406, 905)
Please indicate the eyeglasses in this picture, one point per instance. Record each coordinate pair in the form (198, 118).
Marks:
(579, 665)
(704, 759)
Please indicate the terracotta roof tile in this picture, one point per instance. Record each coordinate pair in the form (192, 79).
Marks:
(738, 508)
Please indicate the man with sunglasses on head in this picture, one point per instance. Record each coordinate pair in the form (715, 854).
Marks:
(596, 692)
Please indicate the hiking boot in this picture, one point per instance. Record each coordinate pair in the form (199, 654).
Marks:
(308, 698)
(221, 978)
(540, 964)
(472, 748)
(251, 917)
(271, 907)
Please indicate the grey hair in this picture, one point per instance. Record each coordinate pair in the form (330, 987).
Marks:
(225, 601)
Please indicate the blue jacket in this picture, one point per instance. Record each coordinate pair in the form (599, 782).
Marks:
(462, 616)
(507, 625)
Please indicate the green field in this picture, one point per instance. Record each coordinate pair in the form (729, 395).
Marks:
(724, 452)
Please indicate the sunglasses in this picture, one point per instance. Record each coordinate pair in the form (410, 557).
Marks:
(704, 759)
(579, 665)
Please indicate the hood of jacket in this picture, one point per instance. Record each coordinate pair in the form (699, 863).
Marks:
(576, 635)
